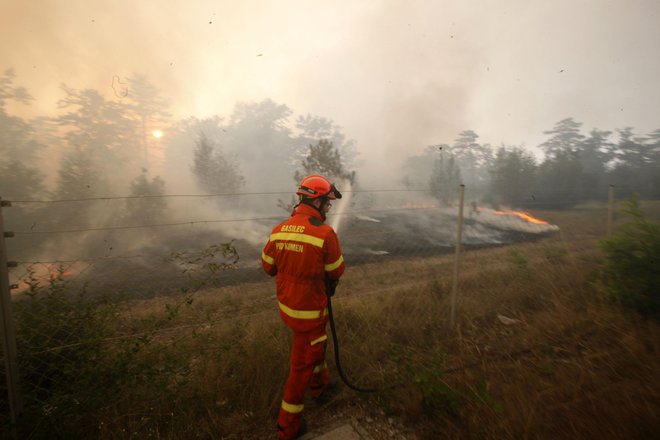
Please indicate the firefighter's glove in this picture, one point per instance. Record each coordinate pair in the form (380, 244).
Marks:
(332, 286)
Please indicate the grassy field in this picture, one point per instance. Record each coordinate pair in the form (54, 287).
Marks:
(537, 352)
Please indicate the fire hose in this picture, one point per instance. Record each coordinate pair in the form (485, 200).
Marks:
(330, 290)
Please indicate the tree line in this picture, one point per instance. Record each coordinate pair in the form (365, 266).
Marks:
(129, 144)
(575, 167)
(98, 146)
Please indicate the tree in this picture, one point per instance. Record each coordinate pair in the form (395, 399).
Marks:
(633, 151)
(559, 181)
(472, 158)
(313, 128)
(180, 144)
(637, 165)
(445, 178)
(417, 169)
(20, 178)
(20, 182)
(266, 114)
(323, 158)
(149, 110)
(630, 271)
(148, 207)
(565, 139)
(77, 176)
(594, 154)
(92, 122)
(213, 172)
(10, 92)
(102, 130)
(16, 135)
(513, 175)
(654, 139)
(654, 165)
(259, 137)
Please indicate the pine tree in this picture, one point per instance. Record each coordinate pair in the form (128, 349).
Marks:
(565, 139)
(445, 178)
(146, 208)
(512, 176)
(213, 172)
(323, 158)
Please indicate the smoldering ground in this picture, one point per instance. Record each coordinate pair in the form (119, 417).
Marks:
(373, 227)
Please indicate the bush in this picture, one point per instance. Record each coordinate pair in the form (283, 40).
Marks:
(86, 370)
(60, 336)
(74, 367)
(630, 272)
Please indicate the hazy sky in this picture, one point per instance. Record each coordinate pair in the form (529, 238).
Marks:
(396, 75)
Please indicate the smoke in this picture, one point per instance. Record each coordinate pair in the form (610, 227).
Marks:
(336, 218)
(395, 76)
(374, 225)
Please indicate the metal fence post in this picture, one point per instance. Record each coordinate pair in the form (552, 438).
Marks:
(459, 233)
(8, 334)
(610, 209)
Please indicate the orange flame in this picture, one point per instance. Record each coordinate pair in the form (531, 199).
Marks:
(523, 215)
(44, 273)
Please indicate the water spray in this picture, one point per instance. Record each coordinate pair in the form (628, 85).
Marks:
(337, 217)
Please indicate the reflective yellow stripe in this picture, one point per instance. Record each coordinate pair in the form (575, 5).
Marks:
(320, 367)
(335, 265)
(302, 314)
(292, 236)
(267, 259)
(317, 340)
(293, 409)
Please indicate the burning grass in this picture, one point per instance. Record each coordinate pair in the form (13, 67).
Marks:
(537, 351)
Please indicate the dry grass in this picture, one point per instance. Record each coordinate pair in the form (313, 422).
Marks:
(571, 365)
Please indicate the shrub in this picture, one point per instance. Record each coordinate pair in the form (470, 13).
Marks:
(630, 271)
(60, 336)
(75, 366)
(83, 370)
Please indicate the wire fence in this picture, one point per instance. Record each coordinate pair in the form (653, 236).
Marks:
(188, 281)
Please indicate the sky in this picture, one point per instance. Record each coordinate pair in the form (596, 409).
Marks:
(395, 75)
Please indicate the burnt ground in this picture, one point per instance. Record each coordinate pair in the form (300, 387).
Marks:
(377, 237)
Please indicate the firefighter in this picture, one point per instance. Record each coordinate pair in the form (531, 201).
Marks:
(304, 255)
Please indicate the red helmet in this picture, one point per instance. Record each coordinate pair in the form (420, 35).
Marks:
(315, 185)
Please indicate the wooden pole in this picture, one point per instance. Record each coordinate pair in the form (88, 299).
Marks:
(610, 209)
(459, 233)
(8, 334)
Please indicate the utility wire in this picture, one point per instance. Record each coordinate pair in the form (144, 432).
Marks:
(193, 222)
(94, 259)
(114, 228)
(529, 201)
(160, 196)
(192, 252)
(87, 199)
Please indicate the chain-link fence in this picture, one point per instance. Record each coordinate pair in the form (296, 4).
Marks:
(119, 326)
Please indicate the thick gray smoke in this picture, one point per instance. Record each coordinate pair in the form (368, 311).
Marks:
(385, 79)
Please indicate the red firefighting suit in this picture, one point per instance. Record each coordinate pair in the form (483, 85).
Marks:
(302, 251)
